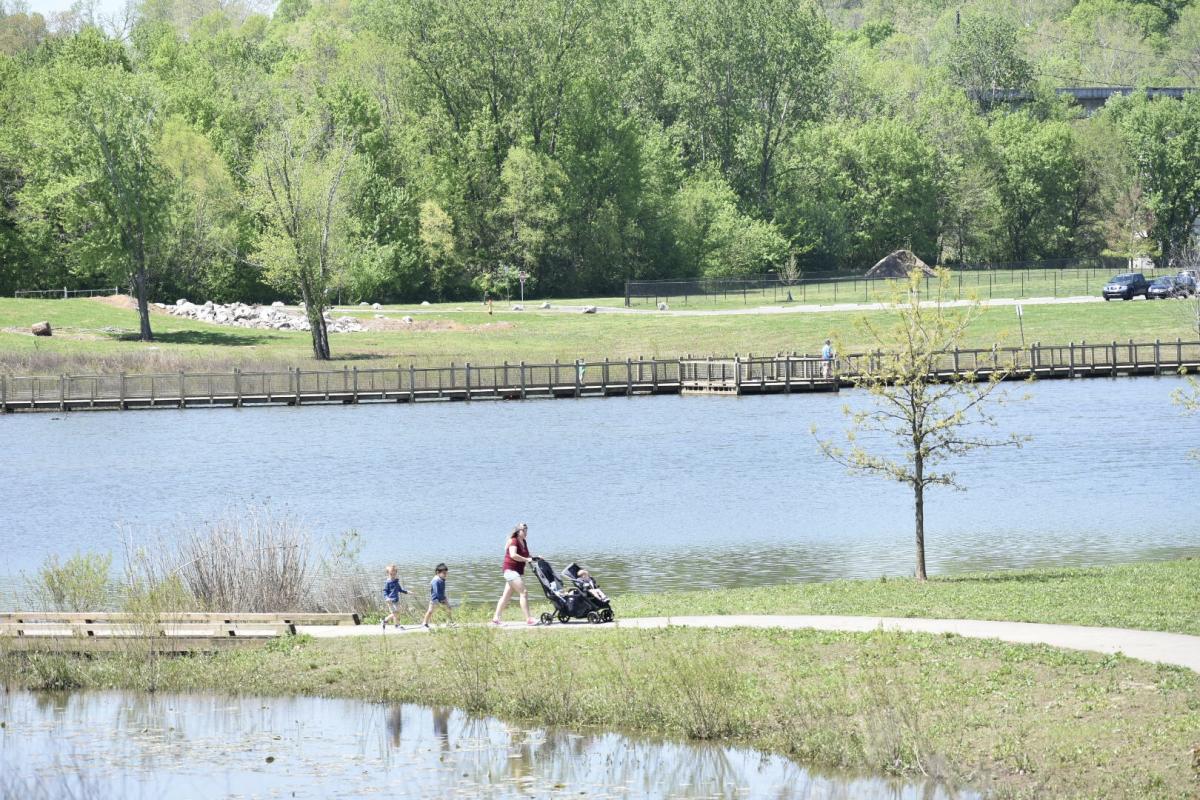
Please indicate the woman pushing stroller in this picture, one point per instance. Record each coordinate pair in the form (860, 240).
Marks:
(516, 556)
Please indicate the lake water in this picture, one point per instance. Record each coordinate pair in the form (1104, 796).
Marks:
(193, 747)
(650, 492)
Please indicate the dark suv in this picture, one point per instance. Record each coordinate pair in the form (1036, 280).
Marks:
(1126, 286)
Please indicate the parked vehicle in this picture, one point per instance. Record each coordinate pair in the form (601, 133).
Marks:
(1126, 286)
(1166, 287)
(1188, 279)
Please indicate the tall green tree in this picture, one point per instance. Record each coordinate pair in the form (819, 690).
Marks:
(1163, 138)
(89, 147)
(300, 187)
(986, 56)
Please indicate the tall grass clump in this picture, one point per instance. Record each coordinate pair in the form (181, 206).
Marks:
(248, 560)
(81, 583)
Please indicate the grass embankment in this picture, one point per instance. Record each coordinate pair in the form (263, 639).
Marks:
(1019, 721)
(1156, 596)
(91, 335)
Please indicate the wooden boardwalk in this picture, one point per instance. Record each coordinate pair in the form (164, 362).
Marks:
(181, 632)
(736, 376)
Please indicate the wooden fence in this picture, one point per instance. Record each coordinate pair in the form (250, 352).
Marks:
(737, 375)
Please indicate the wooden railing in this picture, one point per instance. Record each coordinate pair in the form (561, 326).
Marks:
(740, 374)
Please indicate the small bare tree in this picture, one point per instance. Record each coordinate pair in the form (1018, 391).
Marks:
(933, 418)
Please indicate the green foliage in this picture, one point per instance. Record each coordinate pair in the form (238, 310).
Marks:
(81, 583)
(583, 142)
(986, 57)
(1163, 138)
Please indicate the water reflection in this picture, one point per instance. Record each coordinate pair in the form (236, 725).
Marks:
(131, 745)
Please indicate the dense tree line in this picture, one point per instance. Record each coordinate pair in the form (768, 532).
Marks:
(388, 149)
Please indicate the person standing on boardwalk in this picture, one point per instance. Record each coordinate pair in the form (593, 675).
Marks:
(827, 360)
(437, 593)
(516, 556)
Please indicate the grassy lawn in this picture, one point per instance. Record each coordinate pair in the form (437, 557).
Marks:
(1156, 596)
(1163, 596)
(93, 336)
(1016, 721)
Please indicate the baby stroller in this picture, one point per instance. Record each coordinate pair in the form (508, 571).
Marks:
(575, 602)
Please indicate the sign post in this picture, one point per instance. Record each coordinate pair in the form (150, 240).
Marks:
(522, 276)
(1021, 320)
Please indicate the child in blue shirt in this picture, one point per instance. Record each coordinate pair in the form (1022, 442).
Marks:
(391, 593)
(437, 593)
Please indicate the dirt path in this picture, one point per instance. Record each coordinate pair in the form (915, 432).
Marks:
(1161, 648)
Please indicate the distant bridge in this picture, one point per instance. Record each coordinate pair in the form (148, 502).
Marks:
(1090, 98)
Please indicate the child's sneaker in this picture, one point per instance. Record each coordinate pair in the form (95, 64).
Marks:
(385, 626)
(425, 625)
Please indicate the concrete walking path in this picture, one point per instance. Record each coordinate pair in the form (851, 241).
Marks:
(1155, 646)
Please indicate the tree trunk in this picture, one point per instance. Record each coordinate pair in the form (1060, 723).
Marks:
(919, 507)
(139, 283)
(320, 333)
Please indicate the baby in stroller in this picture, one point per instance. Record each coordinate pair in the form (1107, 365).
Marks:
(584, 600)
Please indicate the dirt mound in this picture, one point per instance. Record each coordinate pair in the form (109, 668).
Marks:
(430, 325)
(117, 301)
(897, 265)
(123, 301)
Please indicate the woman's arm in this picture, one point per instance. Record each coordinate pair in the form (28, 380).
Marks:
(512, 551)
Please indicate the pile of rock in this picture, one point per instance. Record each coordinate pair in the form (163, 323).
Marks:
(272, 317)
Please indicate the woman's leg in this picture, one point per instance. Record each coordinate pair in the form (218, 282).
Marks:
(524, 597)
(508, 590)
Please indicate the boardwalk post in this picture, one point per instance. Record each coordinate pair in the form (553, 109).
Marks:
(787, 373)
(604, 378)
(1178, 353)
(1157, 358)
(555, 380)
(182, 388)
(956, 355)
(467, 378)
(1113, 359)
(412, 383)
(3, 394)
(654, 374)
(737, 370)
(505, 374)
(62, 390)
(354, 376)
(628, 377)
(522, 380)
(297, 385)
(237, 386)
(578, 376)
(1071, 360)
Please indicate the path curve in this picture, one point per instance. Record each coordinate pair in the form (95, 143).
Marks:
(1176, 649)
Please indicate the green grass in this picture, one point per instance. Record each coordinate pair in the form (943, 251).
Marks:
(1157, 596)
(92, 336)
(1017, 721)
(1162, 596)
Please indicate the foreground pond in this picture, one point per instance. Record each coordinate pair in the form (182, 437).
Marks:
(116, 744)
(664, 492)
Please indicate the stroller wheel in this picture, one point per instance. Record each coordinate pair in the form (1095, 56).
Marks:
(607, 615)
(594, 618)
(547, 618)
(564, 617)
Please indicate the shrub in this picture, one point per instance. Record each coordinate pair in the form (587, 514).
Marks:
(81, 583)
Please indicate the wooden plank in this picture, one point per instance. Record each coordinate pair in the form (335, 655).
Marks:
(142, 630)
(92, 644)
(298, 618)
